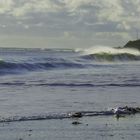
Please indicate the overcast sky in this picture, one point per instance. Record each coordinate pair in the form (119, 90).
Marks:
(68, 23)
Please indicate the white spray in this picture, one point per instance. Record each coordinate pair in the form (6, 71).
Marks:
(110, 50)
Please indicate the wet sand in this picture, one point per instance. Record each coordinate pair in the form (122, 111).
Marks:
(88, 128)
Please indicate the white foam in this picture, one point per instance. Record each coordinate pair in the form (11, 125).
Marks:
(110, 50)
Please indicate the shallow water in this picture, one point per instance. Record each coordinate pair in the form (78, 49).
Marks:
(41, 82)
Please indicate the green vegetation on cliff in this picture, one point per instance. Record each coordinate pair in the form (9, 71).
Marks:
(133, 44)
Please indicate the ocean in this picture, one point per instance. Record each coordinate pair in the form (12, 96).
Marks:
(40, 87)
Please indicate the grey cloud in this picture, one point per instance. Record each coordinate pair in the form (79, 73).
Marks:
(81, 19)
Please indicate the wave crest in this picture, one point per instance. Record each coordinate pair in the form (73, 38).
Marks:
(12, 67)
(111, 54)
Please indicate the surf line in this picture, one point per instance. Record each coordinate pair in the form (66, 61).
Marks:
(118, 112)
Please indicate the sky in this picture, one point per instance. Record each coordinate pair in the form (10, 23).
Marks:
(68, 23)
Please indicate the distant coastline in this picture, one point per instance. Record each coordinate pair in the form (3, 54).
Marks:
(133, 44)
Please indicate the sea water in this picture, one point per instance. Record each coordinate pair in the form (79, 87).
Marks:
(47, 84)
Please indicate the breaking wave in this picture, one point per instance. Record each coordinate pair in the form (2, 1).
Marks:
(13, 67)
(21, 61)
(99, 53)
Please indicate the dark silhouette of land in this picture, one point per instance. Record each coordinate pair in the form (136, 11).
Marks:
(133, 44)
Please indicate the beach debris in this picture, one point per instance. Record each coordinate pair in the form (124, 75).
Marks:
(76, 123)
(118, 116)
(120, 112)
(126, 110)
(76, 115)
(29, 135)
